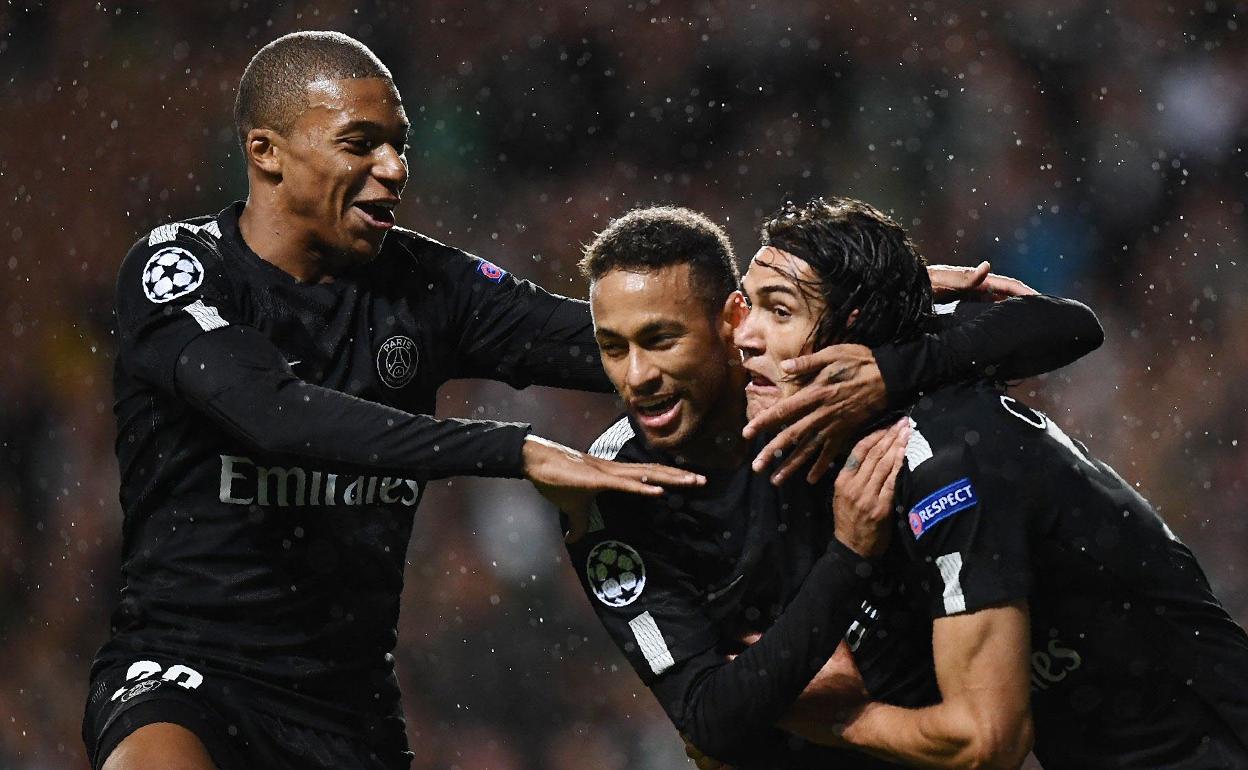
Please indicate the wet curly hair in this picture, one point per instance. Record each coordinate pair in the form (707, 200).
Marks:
(656, 237)
(863, 261)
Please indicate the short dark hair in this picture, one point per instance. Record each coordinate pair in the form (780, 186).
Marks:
(656, 237)
(863, 261)
(273, 89)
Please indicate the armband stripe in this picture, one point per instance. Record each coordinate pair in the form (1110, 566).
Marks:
(950, 566)
(650, 642)
(612, 440)
(169, 232)
(206, 316)
(918, 450)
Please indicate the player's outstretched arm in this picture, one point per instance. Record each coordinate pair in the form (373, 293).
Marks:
(516, 332)
(984, 717)
(570, 479)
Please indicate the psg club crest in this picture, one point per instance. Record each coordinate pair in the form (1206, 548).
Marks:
(171, 273)
(396, 361)
(616, 573)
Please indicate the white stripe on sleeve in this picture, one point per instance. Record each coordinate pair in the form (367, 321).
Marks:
(651, 643)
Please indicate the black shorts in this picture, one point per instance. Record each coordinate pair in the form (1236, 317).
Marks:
(151, 689)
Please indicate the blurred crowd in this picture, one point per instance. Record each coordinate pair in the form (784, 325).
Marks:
(1092, 150)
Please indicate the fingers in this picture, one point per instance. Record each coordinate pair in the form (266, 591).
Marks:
(887, 462)
(1004, 286)
(653, 474)
(786, 438)
(813, 361)
(871, 460)
(786, 408)
(827, 456)
(860, 451)
(890, 483)
(952, 279)
(948, 279)
(793, 462)
(629, 485)
(978, 275)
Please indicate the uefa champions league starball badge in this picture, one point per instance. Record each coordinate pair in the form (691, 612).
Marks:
(616, 573)
(171, 273)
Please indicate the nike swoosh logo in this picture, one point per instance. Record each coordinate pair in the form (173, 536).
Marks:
(294, 363)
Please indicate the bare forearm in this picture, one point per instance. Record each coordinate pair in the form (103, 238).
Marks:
(947, 735)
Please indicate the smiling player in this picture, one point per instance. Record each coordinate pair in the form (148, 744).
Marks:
(278, 364)
(678, 580)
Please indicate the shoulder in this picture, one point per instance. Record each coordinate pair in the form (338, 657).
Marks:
(968, 431)
(172, 260)
(430, 255)
(964, 416)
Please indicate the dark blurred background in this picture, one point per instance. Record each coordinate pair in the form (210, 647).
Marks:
(1095, 151)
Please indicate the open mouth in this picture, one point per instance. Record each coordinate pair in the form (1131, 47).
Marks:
(378, 214)
(658, 412)
(760, 385)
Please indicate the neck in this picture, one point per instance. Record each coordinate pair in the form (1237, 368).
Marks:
(275, 236)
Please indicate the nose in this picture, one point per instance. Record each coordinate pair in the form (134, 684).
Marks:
(747, 337)
(390, 168)
(643, 377)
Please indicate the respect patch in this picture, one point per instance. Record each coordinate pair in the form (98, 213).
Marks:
(940, 505)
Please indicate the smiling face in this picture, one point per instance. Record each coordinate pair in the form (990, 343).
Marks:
(343, 166)
(781, 324)
(670, 359)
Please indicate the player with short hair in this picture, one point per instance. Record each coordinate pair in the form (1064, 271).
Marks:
(678, 580)
(278, 364)
(1064, 609)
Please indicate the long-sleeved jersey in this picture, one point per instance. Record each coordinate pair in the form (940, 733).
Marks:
(677, 580)
(274, 438)
(1134, 663)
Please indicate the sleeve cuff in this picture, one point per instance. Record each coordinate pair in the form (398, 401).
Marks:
(505, 460)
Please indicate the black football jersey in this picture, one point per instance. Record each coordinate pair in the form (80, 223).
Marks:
(1134, 662)
(677, 580)
(274, 555)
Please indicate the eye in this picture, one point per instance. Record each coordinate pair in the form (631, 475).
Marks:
(663, 341)
(611, 349)
(780, 311)
(359, 145)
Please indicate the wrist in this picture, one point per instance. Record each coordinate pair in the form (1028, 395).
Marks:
(862, 566)
(867, 548)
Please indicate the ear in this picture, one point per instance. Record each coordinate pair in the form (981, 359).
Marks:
(262, 150)
(733, 314)
(853, 316)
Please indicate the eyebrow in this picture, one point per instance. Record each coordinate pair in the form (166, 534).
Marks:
(777, 288)
(650, 328)
(373, 125)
